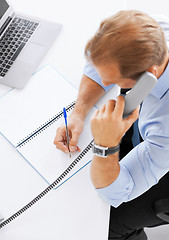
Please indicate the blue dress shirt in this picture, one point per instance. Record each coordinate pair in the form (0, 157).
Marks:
(143, 167)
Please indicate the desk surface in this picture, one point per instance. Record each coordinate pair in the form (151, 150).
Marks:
(73, 211)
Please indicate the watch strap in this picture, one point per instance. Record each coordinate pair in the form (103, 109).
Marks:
(112, 150)
(104, 151)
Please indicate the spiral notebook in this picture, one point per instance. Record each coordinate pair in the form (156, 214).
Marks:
(29, 119)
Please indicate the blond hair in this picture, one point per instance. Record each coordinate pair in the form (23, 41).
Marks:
(132, 39)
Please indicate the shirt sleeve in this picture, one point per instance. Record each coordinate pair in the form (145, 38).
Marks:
(119, 189)
(142, 167)
(148, 162)
(90, 71)
(129, 184)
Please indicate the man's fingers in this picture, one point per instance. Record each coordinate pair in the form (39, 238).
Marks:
(120, 103)
(101, 111)
(73, 142)
(95, 114)
(132, 117)
(60, 140)
(110, 105)
(61, 146)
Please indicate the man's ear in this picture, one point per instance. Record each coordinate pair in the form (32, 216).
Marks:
(154, 70)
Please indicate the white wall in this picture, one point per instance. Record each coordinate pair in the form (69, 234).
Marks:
(150, 6)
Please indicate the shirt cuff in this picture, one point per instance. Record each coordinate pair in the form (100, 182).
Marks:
(119, 191)
(90, 71)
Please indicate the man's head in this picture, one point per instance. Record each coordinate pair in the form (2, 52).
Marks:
(131, 40)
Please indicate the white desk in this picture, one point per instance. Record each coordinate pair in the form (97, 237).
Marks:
(73, 211)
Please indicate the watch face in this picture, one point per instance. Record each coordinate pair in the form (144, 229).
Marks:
(104, 151)
(99, 151)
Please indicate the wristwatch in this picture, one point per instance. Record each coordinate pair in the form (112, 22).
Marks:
(104, 151)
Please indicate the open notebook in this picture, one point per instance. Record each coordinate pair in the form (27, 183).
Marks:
(29, 120)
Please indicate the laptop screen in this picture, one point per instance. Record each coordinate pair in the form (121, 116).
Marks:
(3, 7)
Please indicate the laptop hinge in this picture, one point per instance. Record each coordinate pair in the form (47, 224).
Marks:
(5, 25)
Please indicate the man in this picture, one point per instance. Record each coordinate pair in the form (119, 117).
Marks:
(125, 46)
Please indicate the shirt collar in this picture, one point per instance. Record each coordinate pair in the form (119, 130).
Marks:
(162, 84)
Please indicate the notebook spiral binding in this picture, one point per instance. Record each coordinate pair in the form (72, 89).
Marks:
(44, 126)
(49, 188)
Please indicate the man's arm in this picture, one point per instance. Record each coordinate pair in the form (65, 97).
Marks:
(143, 166)
(108, 127)
(89, 93)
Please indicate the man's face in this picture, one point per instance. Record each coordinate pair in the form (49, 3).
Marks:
(110, 74)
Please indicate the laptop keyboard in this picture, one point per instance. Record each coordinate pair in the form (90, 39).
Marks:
(14, 39)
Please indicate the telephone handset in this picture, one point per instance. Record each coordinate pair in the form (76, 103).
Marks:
(139, 92)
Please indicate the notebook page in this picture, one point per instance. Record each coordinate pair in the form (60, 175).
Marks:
(50, 162)
(22, 112)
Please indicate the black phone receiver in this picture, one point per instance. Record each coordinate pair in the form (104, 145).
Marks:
(144, 84)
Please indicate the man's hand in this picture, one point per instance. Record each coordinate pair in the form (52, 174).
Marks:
(108, 125)
(89, 94)
(75, 128)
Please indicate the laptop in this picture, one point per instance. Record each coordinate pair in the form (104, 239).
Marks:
(24, 41)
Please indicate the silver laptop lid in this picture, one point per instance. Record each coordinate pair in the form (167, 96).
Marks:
(6, 10)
